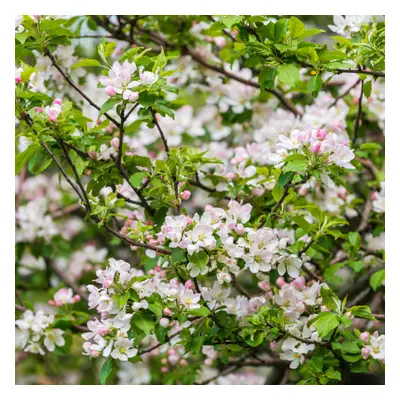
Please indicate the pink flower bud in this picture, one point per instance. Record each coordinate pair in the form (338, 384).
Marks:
(157, 268)
(239, 229)
(183, 362)
(167, 312)
(171, 352)
(94, 353)
(164, 370)
(58, 303)
(18, 79)
(92, 154)
(115, 142)
(230, 176)
(189, 220)
(315, 147)
(321, 134)
(220, 41)
(77, 298)
(263, 285)
(274, 345)
(364, 337)
(280, 281)
(110, 91)
(51, 303)
(57, 101)
(39, 110)
(185, 195)
(189, 284)
(299, 282)
(164, 322)
(324, 308)
(104, 331)
(209, 208)
(107, 283)
(365, 351)
(258, 191)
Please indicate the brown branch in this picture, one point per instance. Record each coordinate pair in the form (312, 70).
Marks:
(359, 112)
(68, 79)
(344, 94)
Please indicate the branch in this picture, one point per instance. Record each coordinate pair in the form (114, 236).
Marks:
(68, 79)
(344, 94)
(359, 112)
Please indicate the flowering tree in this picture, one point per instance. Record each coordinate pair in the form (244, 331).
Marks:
(199, 199)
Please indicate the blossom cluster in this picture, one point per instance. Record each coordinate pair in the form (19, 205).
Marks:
(260, 249)
(34, 333)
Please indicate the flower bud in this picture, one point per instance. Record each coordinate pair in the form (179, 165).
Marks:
(321, 134)
(110, 91)
(185, 195)
(364, 337)
(365, 351)
(274, 345)
(51, 303)
(299, 282)
(18, 79)
(167, 312)
(59, 303)
(115, 142)
(57, 101)
(315, 147)
(239, 229)
(92, 154)
(280, 281)
(189, 284)
(94, 353)
(76, 298)
(164, 370)
(164, 322)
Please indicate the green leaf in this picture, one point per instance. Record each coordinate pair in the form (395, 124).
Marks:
(144, 321)
(376, 279)
(343, 40)
(285, 178)
(325, 323)
(266, 78)
(354, 239)
(22, 158)
(230, 20)
(296, 166)
(281, 27)
(367, 88)
(136, 179)
(289, 75)
(86, 63)
(330, 299)
(310, 32)
(108, 105)
(39, 162)
(314, 85)
(332, 374)
(302, 222)
(361, 311)
(178, 255)
(200, 259)
(200, 312)
(296, 27)
(134, 126)
(106, 370)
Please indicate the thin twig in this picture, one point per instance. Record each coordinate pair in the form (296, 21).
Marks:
(359, 112)
(344, 94)
(68, 79)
